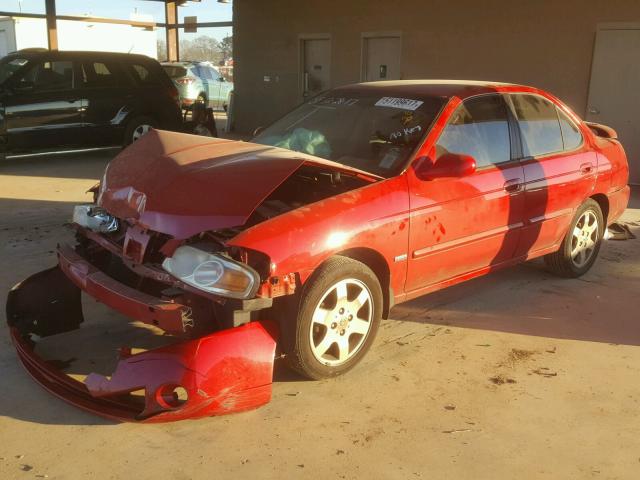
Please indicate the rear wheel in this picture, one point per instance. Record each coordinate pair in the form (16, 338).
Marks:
(137, 128)
(337, 319)
(581, 245)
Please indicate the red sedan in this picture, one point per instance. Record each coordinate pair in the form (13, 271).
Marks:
(366, 196)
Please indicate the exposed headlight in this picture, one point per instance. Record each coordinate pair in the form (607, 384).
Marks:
(94, 218)
(212, 273)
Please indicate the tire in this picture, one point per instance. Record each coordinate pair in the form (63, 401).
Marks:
(328, 334)
(137, 127)
(579, 249)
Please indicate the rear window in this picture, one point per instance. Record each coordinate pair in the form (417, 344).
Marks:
(539, 125)
(175, 71)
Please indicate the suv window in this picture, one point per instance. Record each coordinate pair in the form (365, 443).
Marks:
(144, 75)
(571, 136)
(100, 74)
(215, 74)
(480, 128)
(204, 72)
(539, 125)
(50, 76)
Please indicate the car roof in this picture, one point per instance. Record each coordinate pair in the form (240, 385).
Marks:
(79, 54)
(435, 88)
(187, 63)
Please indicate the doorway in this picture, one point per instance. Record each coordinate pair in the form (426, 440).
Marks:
(381, 55)
(315, 66)
(613, 98)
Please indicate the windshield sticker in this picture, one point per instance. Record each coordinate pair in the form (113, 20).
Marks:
(334, 101)
(390, 158)
(405, 132)
(402, 103)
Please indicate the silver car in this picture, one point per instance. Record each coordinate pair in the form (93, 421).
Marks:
(200, 82)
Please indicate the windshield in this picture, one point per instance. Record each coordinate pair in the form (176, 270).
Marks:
(10, 65)
(374, 133)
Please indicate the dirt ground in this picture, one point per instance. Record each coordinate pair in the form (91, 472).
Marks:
(516, 375)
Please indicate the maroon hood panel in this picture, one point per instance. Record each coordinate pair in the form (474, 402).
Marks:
(182, 185)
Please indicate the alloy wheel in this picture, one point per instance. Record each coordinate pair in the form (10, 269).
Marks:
(341, 322)
(140, 131)
(584, 238)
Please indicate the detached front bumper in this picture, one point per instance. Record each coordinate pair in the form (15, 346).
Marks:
(225, 372)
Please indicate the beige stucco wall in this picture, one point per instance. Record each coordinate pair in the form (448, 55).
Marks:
(546, 43)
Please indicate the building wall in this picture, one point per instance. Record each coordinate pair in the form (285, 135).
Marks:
(24, 33)
(546, 43)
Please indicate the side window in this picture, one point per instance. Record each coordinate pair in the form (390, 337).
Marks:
(99, 74)
(571, 135)
(215, 74)
(205, 73)
(143, 75)
(50, 76)
(539, 124)
(479, 128)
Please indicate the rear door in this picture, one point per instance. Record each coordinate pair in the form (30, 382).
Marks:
(465, 225)
(45, 109)
(108, 92)
(559, 170)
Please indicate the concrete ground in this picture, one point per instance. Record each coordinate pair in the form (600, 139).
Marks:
(515, 375)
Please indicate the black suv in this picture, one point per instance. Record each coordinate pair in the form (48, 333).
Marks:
(52, 100)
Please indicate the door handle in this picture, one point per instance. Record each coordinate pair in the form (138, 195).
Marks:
(586, 168)
(513, 186)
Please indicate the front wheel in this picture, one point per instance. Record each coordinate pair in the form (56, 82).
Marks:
(337, 320)
(581, 245)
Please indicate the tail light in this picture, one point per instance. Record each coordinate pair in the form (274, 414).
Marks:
(186, 80)
(173, 93)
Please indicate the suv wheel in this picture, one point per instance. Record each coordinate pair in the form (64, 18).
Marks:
(137, 128)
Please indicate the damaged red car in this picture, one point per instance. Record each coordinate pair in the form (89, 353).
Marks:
(305, 237)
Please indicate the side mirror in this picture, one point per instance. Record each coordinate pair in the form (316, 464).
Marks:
(258, 131)
(449, 165)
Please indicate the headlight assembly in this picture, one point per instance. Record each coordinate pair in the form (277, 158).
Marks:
(212, 273)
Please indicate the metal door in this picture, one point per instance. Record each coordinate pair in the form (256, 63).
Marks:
(381, 57)
(316, 67)
(613, 97)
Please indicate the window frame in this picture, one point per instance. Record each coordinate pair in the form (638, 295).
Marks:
(509, 100)
(571, 121)
(122, 77)
(514, 139)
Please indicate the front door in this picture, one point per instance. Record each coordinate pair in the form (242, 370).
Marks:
(381, 58)
(465, 225)
(613, 94)
(44, 110)
(316, 67)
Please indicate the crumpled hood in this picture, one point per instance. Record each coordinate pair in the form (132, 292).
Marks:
(182, 184)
